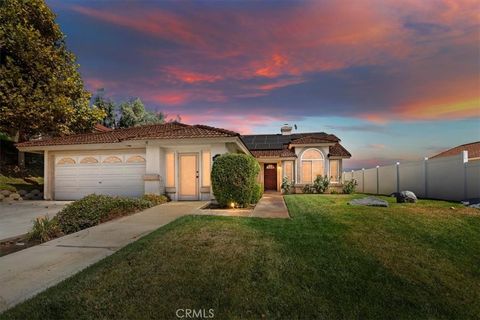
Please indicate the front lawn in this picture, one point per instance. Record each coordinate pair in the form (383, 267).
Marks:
(329, 261)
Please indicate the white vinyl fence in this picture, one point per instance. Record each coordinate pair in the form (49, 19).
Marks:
(447, 178)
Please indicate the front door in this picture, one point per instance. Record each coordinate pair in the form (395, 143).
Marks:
(188, 176)
(270, 176)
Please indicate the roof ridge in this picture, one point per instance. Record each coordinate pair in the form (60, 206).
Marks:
(216, 129)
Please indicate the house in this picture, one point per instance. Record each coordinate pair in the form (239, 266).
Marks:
(172, 158)
(300, 157)
(176, 159)
(473, 149)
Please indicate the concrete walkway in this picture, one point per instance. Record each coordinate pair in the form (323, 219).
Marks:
(270, 206)
(16, 216)
(28, 272)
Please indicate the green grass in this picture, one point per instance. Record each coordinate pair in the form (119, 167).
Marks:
(15, 184)
(330, 261)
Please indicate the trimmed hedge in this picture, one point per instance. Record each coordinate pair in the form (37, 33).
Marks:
(234, 179)
(94, 209)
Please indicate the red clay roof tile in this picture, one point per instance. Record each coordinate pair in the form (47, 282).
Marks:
(170, 130)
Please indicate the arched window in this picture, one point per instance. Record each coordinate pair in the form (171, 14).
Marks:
(312, 165)
(89, 160)
(135, 159)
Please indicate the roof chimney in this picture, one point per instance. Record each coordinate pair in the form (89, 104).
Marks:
(286, 129)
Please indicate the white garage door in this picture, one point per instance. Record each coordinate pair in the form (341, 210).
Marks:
(111, 174)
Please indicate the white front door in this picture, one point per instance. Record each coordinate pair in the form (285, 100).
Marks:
(188, 176)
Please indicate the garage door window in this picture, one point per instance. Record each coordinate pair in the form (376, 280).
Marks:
(64, 161)
(112, 159)
(87, 160)
(135, 159)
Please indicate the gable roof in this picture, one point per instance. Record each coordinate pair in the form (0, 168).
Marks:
(170, 130)
(473, 149)
(278, 141)
(277, 145)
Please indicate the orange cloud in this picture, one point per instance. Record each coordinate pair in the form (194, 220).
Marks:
(191, 77)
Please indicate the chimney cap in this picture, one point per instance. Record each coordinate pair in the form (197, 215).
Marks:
(286, 129)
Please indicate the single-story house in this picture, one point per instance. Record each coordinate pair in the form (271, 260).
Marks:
(176, 159)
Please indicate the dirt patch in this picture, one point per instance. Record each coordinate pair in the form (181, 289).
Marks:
(16, 244)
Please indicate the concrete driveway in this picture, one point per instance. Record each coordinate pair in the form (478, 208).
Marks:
(16, 216)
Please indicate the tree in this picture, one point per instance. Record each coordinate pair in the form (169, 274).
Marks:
(41, 91)
(133, 113)
(108, 107)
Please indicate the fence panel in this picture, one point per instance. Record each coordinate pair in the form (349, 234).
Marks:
(412, 177)
(387, 179)
(358, 176)
(370, 183)
(446, 178)
(473, 179)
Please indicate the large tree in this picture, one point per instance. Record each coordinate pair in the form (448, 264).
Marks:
(41, 91)
(133, 113)
(106, 104)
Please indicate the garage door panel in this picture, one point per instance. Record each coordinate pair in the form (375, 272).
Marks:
(74, 181)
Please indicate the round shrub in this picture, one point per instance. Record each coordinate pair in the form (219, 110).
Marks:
(234, 179)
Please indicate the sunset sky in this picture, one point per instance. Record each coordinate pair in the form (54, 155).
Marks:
(395, 80)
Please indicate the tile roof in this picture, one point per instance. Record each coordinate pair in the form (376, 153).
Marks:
(338, 150)
(283, 153)
(277, 145)
(473, 149)
(278, 141)
(170, 130)
(315, 139)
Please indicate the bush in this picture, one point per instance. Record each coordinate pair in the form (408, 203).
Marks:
(94, 209)
(257, 193)
(155, 199)
(234, 179)
(44, 229)
(349, 186)
(320, 185)
(286, 185)
(308, 188)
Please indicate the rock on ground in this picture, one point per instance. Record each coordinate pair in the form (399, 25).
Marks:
(369, 201)
(406, 197)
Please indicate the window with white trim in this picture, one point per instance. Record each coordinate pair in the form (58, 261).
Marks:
(312, 165)
(206, 164)
(334, 170)
(288, 170)
(170, 170)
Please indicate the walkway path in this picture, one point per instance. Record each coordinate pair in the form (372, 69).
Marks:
(270, 206)
(28, 272)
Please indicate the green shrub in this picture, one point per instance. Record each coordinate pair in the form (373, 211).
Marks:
(94, 209)
(286, 185)
(44, 229)
(155, 199)
(257, 193)
(349, 186)
(308, 188)
(234, 179)
(320, 185)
